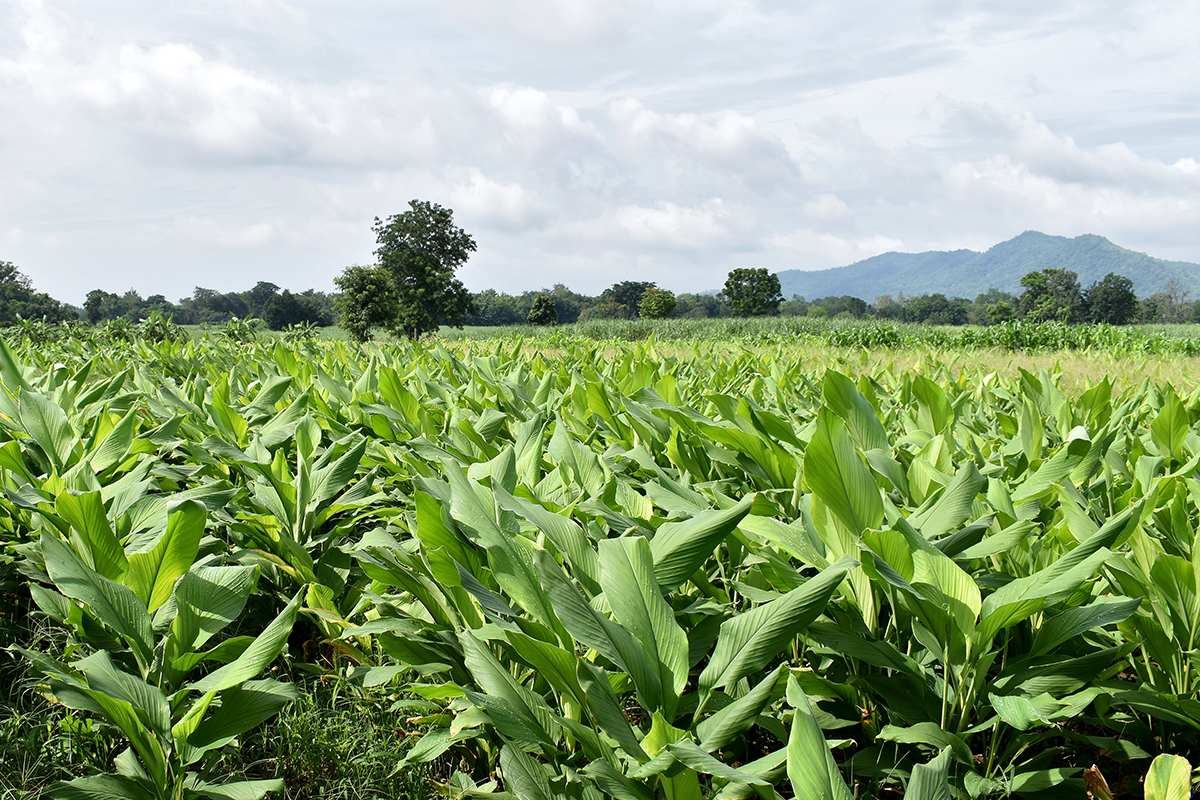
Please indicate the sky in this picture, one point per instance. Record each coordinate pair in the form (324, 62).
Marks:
(218, 143)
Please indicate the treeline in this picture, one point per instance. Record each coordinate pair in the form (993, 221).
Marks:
(619, 301)
(1051, 295)
(277, 308)
(18, 300)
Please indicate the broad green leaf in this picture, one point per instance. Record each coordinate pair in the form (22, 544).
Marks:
(679, 548)
(238, 790)
(242, 707)
(499, 684)
(739, 716)
(48, 425)
(101, 550)
(1169, 778)
(101, 787)
(208, 599)
(627, 574)
(266, 647)
(1074, 621)
(931, 781)
(594, 630)
(810, 766)
(1023, 597)
(953, 507)
(837, 474)
(111, 603)
(844, 399)
(701, 761)
(152, 575)
(749, 641)
(524, 777)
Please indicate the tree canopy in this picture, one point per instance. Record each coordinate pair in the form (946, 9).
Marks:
(752, 292)
(1052, 295)
(18, 300)
(421, 249)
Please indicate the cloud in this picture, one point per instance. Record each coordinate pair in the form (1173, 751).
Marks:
(582, 140)
(479, 199)
(225, 235)
(665, 225)
(545, 21)
(830, 250)
(731, 144)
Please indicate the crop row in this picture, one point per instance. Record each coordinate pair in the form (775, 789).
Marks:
(614, 573)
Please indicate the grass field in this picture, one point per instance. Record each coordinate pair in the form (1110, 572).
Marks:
(679, 562)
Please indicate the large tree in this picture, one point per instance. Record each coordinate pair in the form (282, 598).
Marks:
(628, 295)
(1111, 300)
(752, 293)
(367, 300)
(1051, 295)
(421, 249)
(18, 300)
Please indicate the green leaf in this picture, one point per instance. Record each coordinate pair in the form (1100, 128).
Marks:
(101, 550)
(1074, 621)
(1169, 778)
(693, 756)
(242, 708)
(929, 733)
(953, 507)
(152, 575)
(238, 790)
(1023, 597)
(497, 682)
(837, 475)
(733, 720)
(266, 647)
(680, 548)
(750, 640)
(208, 599)
(101, 787)
(594, 630)
(844, 399)
(931, 781)
(612, 782)
(627, 574)
(112, 604)
(524, 777)
(810, 766)
(48, 426)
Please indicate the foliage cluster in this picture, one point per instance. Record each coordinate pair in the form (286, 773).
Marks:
(610, 574)
(265, 301)
(18, 300)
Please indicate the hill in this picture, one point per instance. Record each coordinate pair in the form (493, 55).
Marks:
(966, 273)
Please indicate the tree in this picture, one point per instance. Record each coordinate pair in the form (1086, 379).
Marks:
(752, 293)
(627, 294)
(657, 303)
(18, 300)
(367, 300)
(1051, 295)
(420, 250)
(259, 295)
(1111, 300)
(543, 311)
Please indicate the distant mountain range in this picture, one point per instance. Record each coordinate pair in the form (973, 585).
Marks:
(966, 273)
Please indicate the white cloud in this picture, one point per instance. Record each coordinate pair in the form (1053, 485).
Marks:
(828, 250)
(583, 140)
(237, 236)
(828, 207)
(479, 199)
(544, 21)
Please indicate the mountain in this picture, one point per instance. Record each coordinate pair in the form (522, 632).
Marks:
(966, 273)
